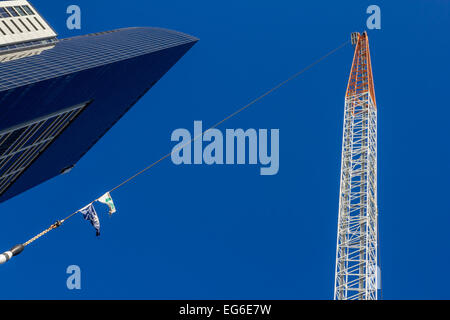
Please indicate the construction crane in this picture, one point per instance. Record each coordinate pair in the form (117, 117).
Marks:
(356, 254)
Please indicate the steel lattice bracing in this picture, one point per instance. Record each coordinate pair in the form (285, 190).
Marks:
(356, 257)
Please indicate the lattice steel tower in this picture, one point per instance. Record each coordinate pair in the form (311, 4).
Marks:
(356, 256)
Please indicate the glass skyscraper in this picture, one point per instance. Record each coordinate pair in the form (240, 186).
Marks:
(59, 97)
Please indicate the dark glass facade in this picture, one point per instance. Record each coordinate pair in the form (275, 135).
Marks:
(54, 106)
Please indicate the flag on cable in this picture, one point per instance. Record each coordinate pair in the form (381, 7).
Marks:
(89, 213)
(106, 199)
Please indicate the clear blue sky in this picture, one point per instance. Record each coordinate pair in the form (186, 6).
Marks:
(221, 232)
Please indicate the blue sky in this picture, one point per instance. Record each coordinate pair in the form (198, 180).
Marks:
(224, 232)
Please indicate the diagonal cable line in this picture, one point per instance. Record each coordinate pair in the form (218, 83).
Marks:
(278, 86)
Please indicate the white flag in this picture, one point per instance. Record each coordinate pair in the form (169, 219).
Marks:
(106, 199)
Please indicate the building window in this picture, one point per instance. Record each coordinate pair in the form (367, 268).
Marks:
(28, 10)
(4, 13)
(12, 11)
(20, 11)
(21, 145)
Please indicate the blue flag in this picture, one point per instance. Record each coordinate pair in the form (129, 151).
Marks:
(90, 214)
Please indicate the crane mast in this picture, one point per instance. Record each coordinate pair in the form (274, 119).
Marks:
(356, 254)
